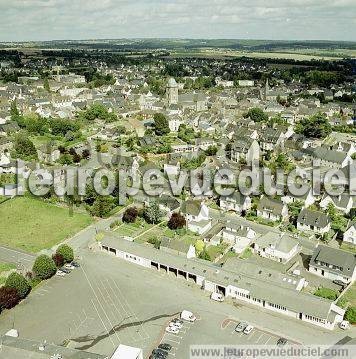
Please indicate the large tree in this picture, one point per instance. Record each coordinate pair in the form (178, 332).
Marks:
(44, 267)
(66, 252)
(161, 126)
(9, 297)
(176, 221)
(316, 126)
(130, 215)
(18, 282)
(152, 213)
(257, 115)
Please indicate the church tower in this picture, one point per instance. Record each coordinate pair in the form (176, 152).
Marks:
(172, 91)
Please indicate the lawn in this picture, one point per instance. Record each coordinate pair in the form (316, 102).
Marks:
(132, 229)
(350, 295)
(31, 224)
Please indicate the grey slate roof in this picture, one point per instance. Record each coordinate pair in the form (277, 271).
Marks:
(272, 205)
(342, 262)
(313, 218)
(275, 292)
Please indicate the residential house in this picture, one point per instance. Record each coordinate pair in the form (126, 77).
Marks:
(245, 150)
(279, 247)
(342, 202)
(236, 202)
(315, 221)
(272, 209)
(306, 198)
(334, 264)
(48, 153)
(350, 233)
(196, 215)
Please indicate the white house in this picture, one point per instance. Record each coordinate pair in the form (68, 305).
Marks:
(237, 202)
(272, 209)
(350, 233)
(342, 202)
(279, 247)
(315, 221)
(334, 264)
(196, 215)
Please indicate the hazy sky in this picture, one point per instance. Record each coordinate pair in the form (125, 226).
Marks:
(255, 19)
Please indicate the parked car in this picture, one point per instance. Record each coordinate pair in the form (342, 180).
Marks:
(248, 329)
(217, 296)
(69, 266)
(344, 325)
(160, 353)
(165, 346)
(188, 316)
(176, 324)
(75, 264)
(177, 320)
(60, 273)
(65, 270)
(173, 330)
(281, 342)
(241, 327)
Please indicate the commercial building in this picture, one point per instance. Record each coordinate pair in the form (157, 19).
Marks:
(261, 287)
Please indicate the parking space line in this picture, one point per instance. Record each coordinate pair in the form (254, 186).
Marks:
(91, 286)
(268, 340)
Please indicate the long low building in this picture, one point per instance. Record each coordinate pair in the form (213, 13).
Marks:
(237, 279)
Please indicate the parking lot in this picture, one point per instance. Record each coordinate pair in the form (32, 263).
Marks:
(257, 336)
(107, 302)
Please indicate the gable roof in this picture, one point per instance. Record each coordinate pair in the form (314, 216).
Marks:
(313, 218)
(342, 262)
(271, 205)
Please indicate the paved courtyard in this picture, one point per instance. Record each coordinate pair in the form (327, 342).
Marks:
(108, 301)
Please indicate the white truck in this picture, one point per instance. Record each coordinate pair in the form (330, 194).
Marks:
(188, 316)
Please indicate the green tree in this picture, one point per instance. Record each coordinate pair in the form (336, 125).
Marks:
(257, 115)
(350, 315)
(102, 206)
(161, 126)
(152, 213)
(44, 267)
(211, 151)
(316, 126)
(18, 282)
(66, 252)
(24, 147)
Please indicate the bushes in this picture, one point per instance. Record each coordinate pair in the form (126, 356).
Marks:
(44, 267)
(9, 297)
(66, 252)
(176, 221)
(58, 259)
(130, 215)
(18, 282)
(351, 315)
(326, 293)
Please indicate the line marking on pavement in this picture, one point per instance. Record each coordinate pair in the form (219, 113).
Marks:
(108, 331)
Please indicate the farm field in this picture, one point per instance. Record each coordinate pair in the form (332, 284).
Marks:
(31, 225)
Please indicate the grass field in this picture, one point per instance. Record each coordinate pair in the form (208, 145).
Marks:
(350, 295)
(31, 225)
(132, 229)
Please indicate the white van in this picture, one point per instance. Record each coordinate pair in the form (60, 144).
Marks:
(217, 296)
(188, 316)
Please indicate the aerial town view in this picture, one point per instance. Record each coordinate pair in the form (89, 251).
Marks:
(177, 179)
